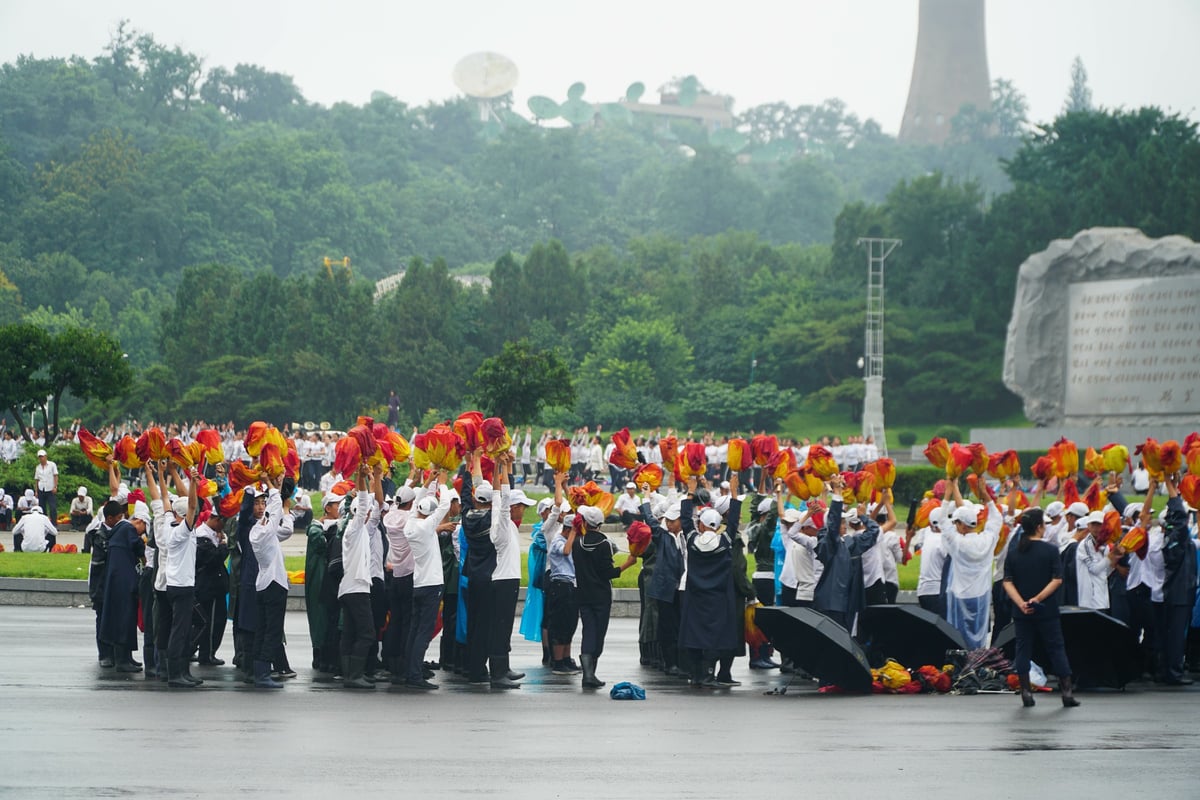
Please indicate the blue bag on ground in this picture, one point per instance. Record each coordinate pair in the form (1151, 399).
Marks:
(627, 691)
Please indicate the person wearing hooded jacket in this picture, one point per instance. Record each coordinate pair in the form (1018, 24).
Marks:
(969, 592)
(670, 571)
(594, 571)
(839, 593)
(1179, 583)
(118, 622)
(707, 620)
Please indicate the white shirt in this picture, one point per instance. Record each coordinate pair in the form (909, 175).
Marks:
(400, 557)
(932, 560)
(628, 502)
(872, 563)
(1142, 571)
(1092, 568)
(799, 564)
(971, 554)
(506, 538)
(36, 528)
(265, 536)
(892, 554)
(46, 475)
(160, 558)
(181, 555)
(356, 548)
(423, 539)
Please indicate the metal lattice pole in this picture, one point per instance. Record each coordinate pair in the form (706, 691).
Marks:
(877, 252)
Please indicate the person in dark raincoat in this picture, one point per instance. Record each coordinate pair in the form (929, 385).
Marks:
(840, 594)
(118, 623)
(245, 612)
(707, 623)
(316, 561)
(662, 587)
(743, 589)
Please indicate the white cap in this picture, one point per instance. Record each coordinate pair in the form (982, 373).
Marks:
(1131, 510)
(710, 518)
(630, 485)
(851, 517)
(724, 484)
(791, 515)
(544, 505)
(405, 495)
(36, 509)
(765, 505)
(1077, 509)
(427, 505)
(179, 506)
(967, 515)
(303, 501)
(141, 511)
(41, 452)
(454, 495)
(721, 504)
(332, 497)
(937, 517)
(673, 511)
(29, 492)
(518, 496)
(1055, 509)
(591, 515)
(1095, 518)
(81, 491)
(483, 493)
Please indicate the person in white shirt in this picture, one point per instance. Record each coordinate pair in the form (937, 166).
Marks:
(506, 577)
(628, 505)
(354, 591)
(969, 593)
(595, 459)
(800, 566)
(81, 510)
(1141, 479)
(1094, 562)
(874, 576)
(6, 509)
(933, 561)
(274, 525)
(45, 474)
(401, 566)
(34, 532)
(175, 539)
(526, 455)
(428, 581)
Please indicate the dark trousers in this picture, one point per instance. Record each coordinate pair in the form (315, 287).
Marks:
(594, 618)
(892, 591)
(103, 650)
(164, 618)
(668, 630)
(1177, 618)
(562, 614)
(504, 611)
(49, 503)
(1143, 620)
(424, 608)
(876, 594)
(379, 613)
(479, 626)
(268, 638)
(400, 607)
(358, 627)
(1049, 630)
(449, 647)
(840, 617)
(765, 589)
(933, 602)
(1002, 609)
(212, 629)
(787, 595)
(179, 638)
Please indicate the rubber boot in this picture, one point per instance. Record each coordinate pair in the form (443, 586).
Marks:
(352, 668)
(396, 668)
(511, 673)
(262, 676)
(724, 676)
(709, 681)
(590, 681)
(187, 673)
(125, 663)
(500, 673)
(644, 655)
(149, 662)
(1068, 692)
(1026, 691)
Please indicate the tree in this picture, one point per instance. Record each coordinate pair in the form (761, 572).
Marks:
(89, 364)
(516, 384)
(1079, 96)
(24, 350)
(716, 405)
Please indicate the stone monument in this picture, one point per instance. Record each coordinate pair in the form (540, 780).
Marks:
(1105, 332)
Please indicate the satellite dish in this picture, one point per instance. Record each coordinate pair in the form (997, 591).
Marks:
(576, 91)
(615, 112)
(577, 112)
(543, 107)
(485, 75)
(635, 91)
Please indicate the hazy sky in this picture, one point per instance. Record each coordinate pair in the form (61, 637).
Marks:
(797, 51)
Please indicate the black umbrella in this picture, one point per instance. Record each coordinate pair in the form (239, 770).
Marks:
(1102, 650)
(908, 633)
(817, 645)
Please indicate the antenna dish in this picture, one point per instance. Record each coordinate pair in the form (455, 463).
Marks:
(485, 75)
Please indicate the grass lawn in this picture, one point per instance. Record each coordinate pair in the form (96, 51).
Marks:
(68, 566)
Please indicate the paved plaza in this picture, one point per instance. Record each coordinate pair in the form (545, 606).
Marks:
(72, 730)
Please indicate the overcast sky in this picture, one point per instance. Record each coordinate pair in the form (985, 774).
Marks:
(796, 51)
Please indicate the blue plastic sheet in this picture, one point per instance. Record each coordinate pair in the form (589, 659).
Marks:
(627, 691)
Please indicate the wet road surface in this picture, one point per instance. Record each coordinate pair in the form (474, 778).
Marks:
(70, 729)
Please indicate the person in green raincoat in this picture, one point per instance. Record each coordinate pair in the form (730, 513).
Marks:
(316, 560)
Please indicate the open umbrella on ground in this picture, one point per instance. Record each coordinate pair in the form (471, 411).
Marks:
(1102, 650)
(817, 645)
(907, 633)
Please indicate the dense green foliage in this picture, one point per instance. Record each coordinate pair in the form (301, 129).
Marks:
(189, 213)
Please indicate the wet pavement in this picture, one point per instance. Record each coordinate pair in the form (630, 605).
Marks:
(71, 729)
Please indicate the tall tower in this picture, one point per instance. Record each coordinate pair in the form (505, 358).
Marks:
(950, 69)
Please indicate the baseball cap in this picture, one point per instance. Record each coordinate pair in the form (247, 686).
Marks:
(791, 515)
(81, 491)
(1077, 509)
(765, 505)
(1095, 518)
(518, 496)
(427, 505)
(41, 452)
(967, 515)
(591, 515)
(545, 504)
(630, 485)
(1055, 509)
(710, 518)
(721, 504)
(483, 493)
(405, 495)
(672, 512)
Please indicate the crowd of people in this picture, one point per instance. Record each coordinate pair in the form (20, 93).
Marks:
(387, 564)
